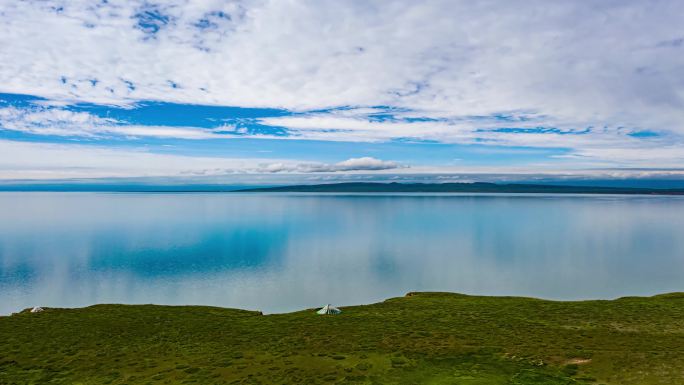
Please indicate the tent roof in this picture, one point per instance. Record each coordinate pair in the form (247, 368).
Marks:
(329, 309)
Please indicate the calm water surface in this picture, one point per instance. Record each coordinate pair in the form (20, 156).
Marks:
(282, 252)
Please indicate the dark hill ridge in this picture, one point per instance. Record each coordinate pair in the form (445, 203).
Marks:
(479, 187)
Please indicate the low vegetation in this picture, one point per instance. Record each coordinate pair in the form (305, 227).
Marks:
(423, 338)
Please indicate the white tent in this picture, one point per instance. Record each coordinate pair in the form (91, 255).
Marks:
(36, 309)
(329, 309)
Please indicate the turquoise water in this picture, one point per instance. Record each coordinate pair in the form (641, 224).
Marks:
(282, 252)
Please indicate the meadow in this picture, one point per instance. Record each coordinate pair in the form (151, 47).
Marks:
(422, 338)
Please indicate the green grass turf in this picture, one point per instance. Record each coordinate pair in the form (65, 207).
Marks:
(423, 338)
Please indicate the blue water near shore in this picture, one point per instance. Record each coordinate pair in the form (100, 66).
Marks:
(283, 252)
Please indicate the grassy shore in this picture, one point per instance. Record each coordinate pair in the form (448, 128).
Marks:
(423, 338)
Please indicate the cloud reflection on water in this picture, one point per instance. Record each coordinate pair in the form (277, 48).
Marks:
(286, 252)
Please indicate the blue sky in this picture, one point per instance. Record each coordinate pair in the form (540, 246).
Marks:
(179, 89)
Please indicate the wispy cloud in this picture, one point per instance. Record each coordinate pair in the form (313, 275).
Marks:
(61, 122)
(609, 144)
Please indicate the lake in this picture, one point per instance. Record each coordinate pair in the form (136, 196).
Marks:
(284, 252)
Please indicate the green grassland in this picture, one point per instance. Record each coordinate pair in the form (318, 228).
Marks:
(423, 338)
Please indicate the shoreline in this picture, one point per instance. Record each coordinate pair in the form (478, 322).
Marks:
(673, 294)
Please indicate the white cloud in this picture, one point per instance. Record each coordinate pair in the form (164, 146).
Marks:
(602, 61)
(615, 66)
(365, 163)
(353, 164)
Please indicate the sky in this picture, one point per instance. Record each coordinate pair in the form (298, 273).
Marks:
(322, 90)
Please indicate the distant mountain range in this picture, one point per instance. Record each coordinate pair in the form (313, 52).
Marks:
(361, 187)
(350, 187)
